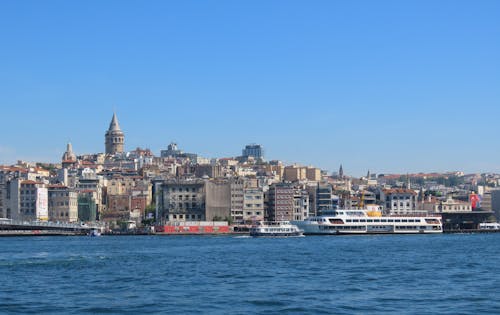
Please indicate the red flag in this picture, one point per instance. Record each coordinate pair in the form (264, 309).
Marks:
(474, 200)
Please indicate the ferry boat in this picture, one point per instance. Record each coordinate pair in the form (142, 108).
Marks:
(335, 222)
(275, 229)
(489, 226)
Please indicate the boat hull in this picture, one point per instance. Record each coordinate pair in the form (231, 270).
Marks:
(316, 229)
(257, 234)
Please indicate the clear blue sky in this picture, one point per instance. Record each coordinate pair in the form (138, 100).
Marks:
(390, 86)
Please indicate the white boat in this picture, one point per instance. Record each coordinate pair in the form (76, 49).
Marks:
(94, 233)
(489, 226)
(368, 222)
(275, 229)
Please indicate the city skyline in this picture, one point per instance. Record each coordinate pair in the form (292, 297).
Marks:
(323, 84)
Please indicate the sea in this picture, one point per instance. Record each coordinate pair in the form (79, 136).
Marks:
(375, 274)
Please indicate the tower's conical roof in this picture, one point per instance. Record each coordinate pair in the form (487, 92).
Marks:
(114, 126)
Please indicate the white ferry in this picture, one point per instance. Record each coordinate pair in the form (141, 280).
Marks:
(275, 229)
(489, 226)
(368, 222)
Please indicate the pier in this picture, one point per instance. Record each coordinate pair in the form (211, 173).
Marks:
(38, 228)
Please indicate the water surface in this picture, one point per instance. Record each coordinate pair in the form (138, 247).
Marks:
(412, 274)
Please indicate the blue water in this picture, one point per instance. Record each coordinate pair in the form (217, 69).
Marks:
(416, 274)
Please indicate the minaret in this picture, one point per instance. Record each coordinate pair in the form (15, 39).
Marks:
(69, 156)
(115, 138)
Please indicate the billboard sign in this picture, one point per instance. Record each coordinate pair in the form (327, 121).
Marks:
(42, 204)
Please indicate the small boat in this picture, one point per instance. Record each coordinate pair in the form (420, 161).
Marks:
(275, 229)
(94, 233)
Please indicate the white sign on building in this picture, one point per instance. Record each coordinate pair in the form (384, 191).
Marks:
(42, 204)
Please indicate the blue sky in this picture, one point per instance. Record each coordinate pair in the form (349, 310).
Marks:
(390, 86)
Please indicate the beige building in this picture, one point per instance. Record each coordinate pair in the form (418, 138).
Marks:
(294, 173)
(275, 168)
(122, 185)
(450, 205)
(300, 205)
(313, 174)
(217, 200)
(399, 201)
(27, 200)
(237, 193)
(253, 205)
(63, 204)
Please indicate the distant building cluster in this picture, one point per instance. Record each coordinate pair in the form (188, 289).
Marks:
(120, 186)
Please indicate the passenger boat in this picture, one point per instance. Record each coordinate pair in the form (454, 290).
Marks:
(368, 222)
(489, 226)
(275, 229)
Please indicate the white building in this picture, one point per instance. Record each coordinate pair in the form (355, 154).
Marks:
(399, 201)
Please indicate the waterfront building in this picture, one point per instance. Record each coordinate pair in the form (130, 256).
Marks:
(449, 205)
(300, 205)
(320, 197)
(26, 200)
(63, 204)
(237, 198)
(87, 209)
(90, 182)
(253, 206)
(495, 202)
(118, 208)
(487, 201)
(280, 202)
(114, 138)
(181, 200)
(217, 200)
(3, 201)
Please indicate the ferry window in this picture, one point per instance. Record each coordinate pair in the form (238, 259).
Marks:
(349, 220)
(362, 220)
(397, 220)
(355, 220)
(369, 220)
(404, 220)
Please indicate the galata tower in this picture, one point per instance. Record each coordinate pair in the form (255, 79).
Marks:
(115, 138)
